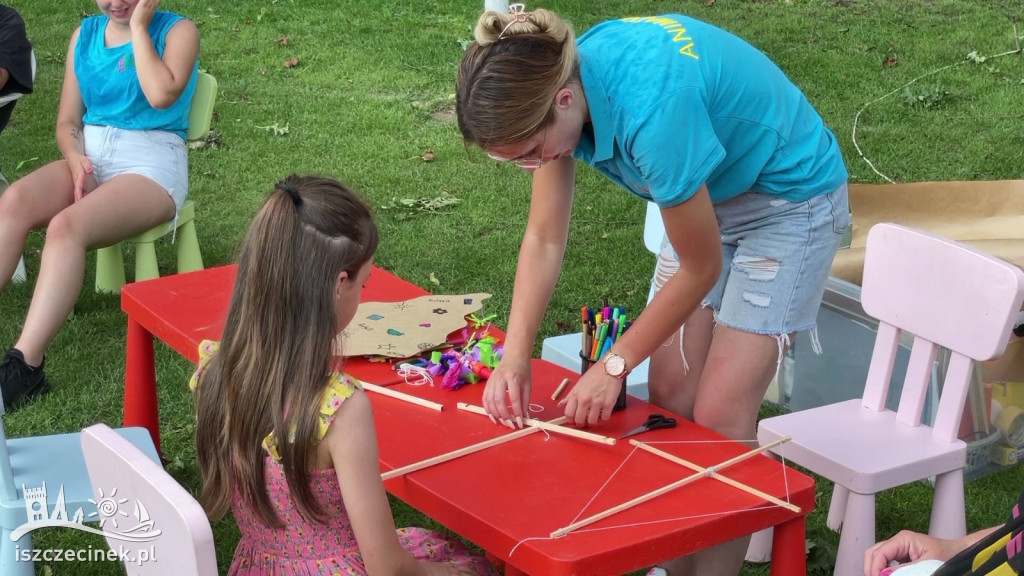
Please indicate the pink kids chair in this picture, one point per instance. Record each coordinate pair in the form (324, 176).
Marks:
(184, 544)
(944, 294)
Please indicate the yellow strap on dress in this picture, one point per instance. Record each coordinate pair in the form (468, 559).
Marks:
(340, 387)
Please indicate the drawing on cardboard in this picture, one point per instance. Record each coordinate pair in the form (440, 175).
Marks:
(408, 327)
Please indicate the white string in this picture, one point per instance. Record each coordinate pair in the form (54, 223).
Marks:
(606, 482)
(680, 519)
(712, 470)
(700, 441)
(530, 410)
(414, 375)
(536, 408)
(785, 473)
(645, 523)
(856, 117)
(513, 550)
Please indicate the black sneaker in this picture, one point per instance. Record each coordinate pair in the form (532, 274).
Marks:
(19, 381)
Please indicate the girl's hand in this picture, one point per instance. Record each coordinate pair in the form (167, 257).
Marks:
(143, 14)
(593, 397)
(81, 174)
(509, 383)
(907, 546)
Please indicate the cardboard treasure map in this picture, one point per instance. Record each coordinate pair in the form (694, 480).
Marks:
(406, 328)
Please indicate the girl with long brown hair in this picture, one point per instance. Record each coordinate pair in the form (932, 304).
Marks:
(285, 439)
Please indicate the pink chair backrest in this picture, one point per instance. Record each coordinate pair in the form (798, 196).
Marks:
(945, 294)
(185, 542)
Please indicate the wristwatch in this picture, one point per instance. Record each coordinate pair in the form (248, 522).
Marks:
(615, 365)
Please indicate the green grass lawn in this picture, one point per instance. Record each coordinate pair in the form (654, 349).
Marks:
(372, 93)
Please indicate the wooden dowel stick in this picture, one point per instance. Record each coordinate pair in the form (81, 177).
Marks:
(463, 451)
(719, 477)
(560, 388)
(547, 426)
(655, 493)
(385, 391)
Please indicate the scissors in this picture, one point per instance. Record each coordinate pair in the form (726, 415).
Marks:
(653, 422)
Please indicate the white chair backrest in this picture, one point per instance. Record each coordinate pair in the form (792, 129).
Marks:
(945, 294)
(185, 543)
(654, 228)
(654, 232)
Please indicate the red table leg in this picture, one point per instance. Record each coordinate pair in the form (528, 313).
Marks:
(140, 408)
(789, 548)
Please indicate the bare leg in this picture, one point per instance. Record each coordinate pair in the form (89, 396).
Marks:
(672, 382)
(30, 203)
(735, 375)
(122, 207)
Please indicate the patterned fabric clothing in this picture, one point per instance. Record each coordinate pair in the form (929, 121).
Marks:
(311, 549)
(323, 549)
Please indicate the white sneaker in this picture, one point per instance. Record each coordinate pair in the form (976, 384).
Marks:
(657, 571)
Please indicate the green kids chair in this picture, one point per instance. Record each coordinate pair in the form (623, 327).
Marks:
(109, 261)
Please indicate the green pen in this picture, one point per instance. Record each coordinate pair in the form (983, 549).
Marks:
(600, 340)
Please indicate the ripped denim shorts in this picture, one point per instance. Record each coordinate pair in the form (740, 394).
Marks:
(776, 256)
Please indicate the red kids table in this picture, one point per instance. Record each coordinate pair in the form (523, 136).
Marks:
(509, 498)
(182, 310)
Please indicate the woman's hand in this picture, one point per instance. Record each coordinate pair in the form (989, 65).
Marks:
(907, 546)
(143, 14)
(81, 174)
(593, 397)
(509, 383)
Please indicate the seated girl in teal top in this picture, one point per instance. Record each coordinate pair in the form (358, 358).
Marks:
(128, 83)
(750, 183)
(116, 97)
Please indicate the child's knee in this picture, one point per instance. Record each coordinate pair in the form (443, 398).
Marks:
(14, 210)
(62, 228)
(12, 199)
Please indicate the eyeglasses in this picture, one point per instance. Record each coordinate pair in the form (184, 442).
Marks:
(524, 162)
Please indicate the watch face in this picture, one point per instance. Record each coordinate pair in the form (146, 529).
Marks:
(615, 365)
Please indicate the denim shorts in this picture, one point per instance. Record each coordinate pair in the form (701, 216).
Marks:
(776, 256)
(155, 154)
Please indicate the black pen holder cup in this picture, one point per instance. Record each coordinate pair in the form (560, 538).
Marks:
(586, 364)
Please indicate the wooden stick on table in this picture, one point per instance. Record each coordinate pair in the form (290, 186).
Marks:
(719, 477)
(655, 493)
(385, 391)
(463, 451)
(560, 388)
(547, 426)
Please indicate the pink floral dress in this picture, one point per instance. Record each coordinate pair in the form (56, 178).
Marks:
(309, 549)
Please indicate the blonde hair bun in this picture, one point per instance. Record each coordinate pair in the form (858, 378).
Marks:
(493, 26)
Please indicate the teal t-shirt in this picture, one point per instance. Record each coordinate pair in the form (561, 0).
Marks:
(110, 87)
(675, 103)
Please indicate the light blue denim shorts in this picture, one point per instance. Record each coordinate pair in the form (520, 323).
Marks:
(155, 154)
(776, 256)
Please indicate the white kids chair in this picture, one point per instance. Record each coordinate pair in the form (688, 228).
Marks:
(185, 543)
(945, 294)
